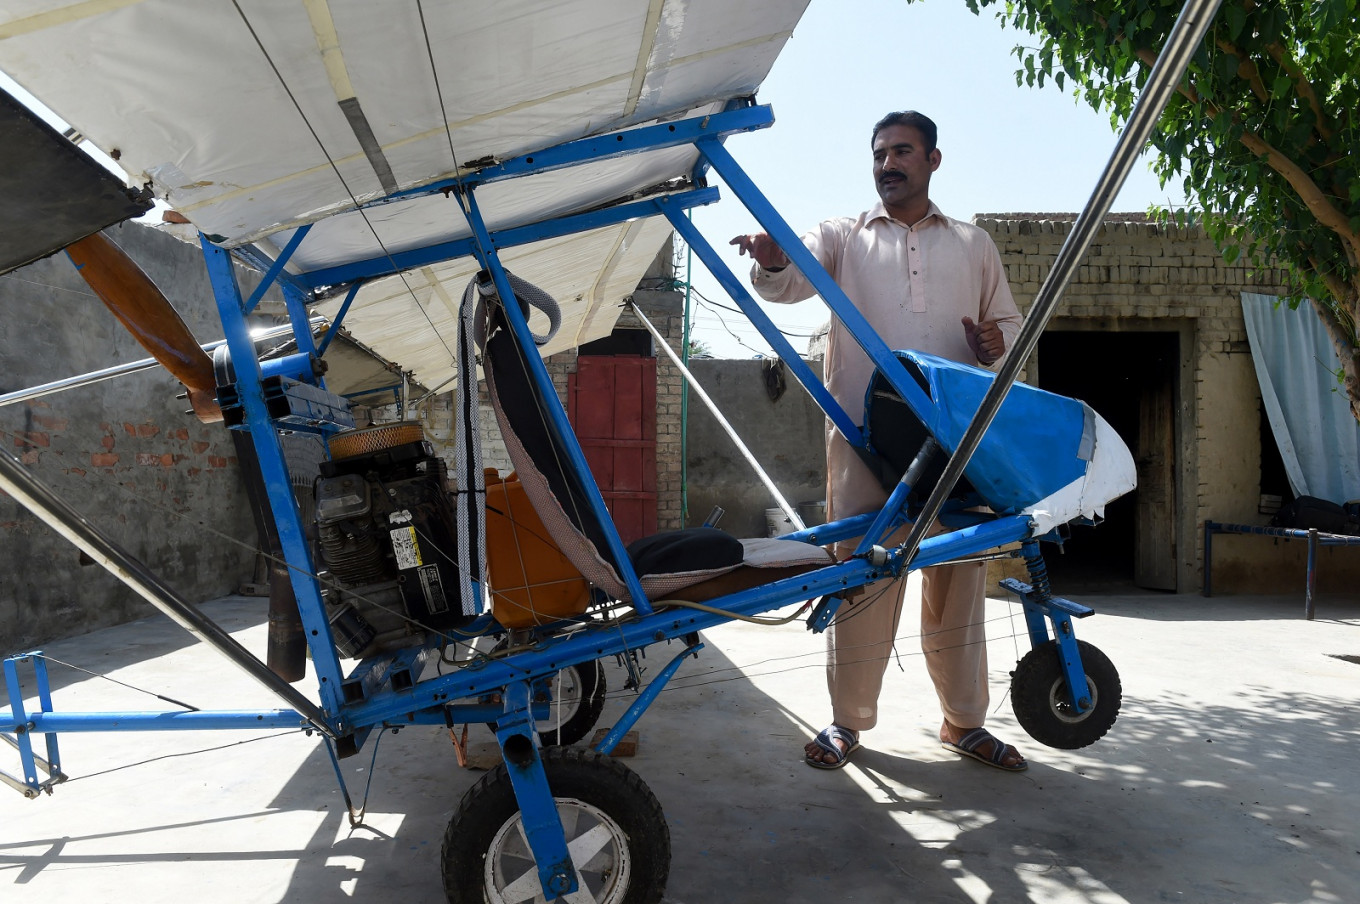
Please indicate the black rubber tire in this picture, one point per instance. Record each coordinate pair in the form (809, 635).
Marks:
(1039, 697)
(582, 688)
(591, 790)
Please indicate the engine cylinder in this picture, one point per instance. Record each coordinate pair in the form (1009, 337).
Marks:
(385, 522)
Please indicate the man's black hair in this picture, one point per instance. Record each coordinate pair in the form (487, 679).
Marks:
(919, 121)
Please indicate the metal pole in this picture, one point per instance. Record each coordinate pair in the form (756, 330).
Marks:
(1312, 572)
(722, 421)
(16, 480)
(119, 370)
(1186, 37)
(421, 401)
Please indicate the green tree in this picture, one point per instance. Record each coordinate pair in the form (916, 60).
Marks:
(1265, 128)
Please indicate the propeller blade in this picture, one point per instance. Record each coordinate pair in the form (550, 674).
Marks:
(141, 307)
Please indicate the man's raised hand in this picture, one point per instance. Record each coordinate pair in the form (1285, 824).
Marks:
(760, 246)
(985, 339)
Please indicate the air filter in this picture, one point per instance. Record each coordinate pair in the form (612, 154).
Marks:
(368, 440)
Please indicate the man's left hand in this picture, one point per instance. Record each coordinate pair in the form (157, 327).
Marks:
(985, 339)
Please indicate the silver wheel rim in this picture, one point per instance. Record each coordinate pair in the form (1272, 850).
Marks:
(598, 848)
(1063, 708)
(567, 696)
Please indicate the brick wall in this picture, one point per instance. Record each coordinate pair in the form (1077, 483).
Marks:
(1141, 276)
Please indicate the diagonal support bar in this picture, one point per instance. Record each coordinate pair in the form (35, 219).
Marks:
(762, 322)
(557, 417)
(644, 700)
(57, 514)
(1185, 39)
(665, 346)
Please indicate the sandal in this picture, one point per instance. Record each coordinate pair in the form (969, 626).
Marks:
(968, 746)
(826, 742)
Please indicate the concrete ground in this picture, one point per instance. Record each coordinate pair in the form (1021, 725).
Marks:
(1230, 776)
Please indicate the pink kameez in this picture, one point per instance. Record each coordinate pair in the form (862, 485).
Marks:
(913, 284)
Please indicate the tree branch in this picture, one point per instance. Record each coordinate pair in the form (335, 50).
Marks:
(1149, 59)
(1323, 210)
(1303, 86)
(1246, 70)
(1340, 290)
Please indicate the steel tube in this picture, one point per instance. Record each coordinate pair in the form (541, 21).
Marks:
(644, 700)
(722, 421)
(201, 720)
(33, 495)
(1312, 572)
(119, 370)
(1195, 18)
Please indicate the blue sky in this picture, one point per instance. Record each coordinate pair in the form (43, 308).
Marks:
(1006, 149)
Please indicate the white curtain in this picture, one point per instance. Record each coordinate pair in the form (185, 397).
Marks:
(1309, 414)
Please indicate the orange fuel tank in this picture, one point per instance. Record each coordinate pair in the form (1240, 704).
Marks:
(532, 583)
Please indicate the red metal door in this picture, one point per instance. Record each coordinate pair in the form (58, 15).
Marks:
(611, 402)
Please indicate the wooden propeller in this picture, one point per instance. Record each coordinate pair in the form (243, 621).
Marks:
(141, 307)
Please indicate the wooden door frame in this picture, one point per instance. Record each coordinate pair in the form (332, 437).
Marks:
(1186, 470)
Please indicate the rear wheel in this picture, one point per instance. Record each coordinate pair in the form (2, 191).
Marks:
(578, 699)
(616, 834)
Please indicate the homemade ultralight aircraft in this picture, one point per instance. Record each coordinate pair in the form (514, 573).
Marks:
(472, 187)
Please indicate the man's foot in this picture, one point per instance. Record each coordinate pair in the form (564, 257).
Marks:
(983, 746)
(831, 748)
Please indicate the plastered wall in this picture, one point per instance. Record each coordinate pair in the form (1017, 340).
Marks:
(122, 452)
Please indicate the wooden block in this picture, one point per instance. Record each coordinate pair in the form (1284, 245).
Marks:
(627, 745)
(484, 756)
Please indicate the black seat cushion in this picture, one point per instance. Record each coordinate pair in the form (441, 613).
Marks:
(680, 551)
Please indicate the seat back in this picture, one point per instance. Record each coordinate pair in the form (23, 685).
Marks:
(540, 457)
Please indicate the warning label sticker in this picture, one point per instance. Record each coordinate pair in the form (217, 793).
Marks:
(435, 599)
(405, 548)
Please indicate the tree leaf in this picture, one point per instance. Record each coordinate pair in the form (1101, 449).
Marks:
(1235, 18)
(1252, 210)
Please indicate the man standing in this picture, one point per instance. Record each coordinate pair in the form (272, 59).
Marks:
(928, 282)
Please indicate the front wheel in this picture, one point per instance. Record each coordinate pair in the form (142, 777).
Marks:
(1043, 708)
(616, 835)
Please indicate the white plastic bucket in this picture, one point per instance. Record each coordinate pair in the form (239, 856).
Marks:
(776, 522)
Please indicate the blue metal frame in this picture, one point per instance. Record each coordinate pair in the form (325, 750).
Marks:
(538, 810)
(522, 678)
(23, 725)
(644, 700)
(1314, 538)
(276, 269)
(1039, 604)
(386, 265)
(339, 317)
(274, 469)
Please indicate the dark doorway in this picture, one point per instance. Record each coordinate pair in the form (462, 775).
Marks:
(1130, 379)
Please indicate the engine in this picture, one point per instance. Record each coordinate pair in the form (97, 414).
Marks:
(385, 531)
